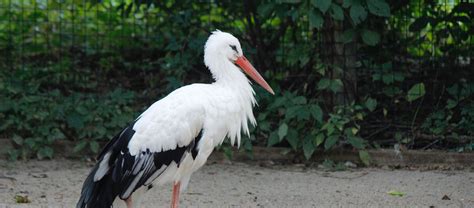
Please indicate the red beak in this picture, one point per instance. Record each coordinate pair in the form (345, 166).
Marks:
(247, 67)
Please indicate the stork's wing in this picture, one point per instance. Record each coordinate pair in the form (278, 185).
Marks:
(141, 152)
(129, 172)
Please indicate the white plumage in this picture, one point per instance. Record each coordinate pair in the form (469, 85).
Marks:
(175, 136)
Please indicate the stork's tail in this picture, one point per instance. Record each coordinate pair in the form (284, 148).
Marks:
(98, 194)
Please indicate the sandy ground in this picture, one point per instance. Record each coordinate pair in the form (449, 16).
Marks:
(57, 184)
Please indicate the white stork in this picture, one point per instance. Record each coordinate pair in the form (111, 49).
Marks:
(175, 136)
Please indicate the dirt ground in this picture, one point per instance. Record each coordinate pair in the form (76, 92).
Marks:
(57, 183)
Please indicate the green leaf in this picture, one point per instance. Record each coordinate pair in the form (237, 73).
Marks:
(453, 90)
(348, 36)
(56, 134)
(319, 139)
(13, 154)
(282, 130)
(322, 5)
(370, 37)
(290, 1)
(279, 102)
(396, 193)
(415, 92)
(356, 142)
(17, 139)
(291, 112)
(247, 143)
(330, 141)
(48, 152)
(336, 85)
(376, 77)
(347, 3)
(273, 139)
(328, 164)
(391, 91)
(294, 14)
(5, 105)
(387, 65)
(378, 7)
(300, 100)
(451, 103)
(228, 152)
(304, 59)
(293, 138)
(357, 13)
(265, 10)
(94, 146)
(45, 152)
(364, 157)
(308, 147)
(302, 114)
(388, 78)
(371, 104)
(354, 130)
(315, 19)
(420, 23)
(323, 83)
(75, 120)
(398, 77)
(30, 142)
(336, 12)
(100, 131)
(6, 124)
(329, 127)
(81, 110)
(316, 112)
(264, 125)
(79, 146)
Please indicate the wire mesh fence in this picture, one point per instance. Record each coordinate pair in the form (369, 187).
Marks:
(418, 70)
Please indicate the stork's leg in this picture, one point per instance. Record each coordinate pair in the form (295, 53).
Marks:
(128, 202)
(175, 198)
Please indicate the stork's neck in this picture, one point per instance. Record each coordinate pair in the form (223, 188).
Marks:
(227, 74)
(233, 80)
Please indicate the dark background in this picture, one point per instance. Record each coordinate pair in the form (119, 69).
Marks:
(347, 74)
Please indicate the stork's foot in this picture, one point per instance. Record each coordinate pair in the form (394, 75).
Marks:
(175, 198)
(128, 202)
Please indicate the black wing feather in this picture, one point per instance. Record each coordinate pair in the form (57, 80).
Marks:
(127, 171)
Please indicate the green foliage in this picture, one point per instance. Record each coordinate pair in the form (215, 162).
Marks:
(305, 115)
(80, 70)
(364, 157)
(445, 121)
(371, 104)
(379, 8)
(334, 85)
(322, 5)
(315, 19)
(332, 166)
(370, 37)
(39, 117)
(415, 92)
(357, 12)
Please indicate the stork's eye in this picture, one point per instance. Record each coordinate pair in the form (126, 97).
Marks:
(233, 48)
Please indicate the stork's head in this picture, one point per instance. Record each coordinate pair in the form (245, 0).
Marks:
(222, 46)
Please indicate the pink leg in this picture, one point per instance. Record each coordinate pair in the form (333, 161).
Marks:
(128, 201)
(175, 198)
